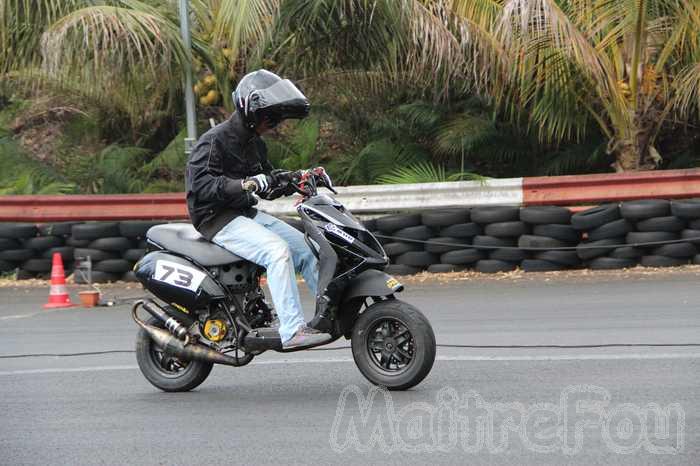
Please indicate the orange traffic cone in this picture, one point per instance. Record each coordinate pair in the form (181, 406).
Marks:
(58, 296)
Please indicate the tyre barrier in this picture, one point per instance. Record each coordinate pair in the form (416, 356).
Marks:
(486, 239)
(543, 238)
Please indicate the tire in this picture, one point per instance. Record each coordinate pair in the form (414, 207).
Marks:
(136, 228)
(644, 209)
(680, 250)
(77, 243)
(444, 218)
(539, 265)
(404, 316)
(457, 243)
(506, 229)
(595, 217)
(95, 230)
(392, 223)
(494, 266)
(17, 255)
(636, 237)
(130, 276)
(398, 269)
(116, 244)
(693, 235)
(376, 234)
(533, 241)
(565, 258)
(37, 265)
(493, 242)
(417, 259)
(688, 209)
(627, 252)
(462, 257)
(694, 224)
(420, 232)
(7, 266)
(542, 215)
(116, 266)
(696, 260)
(597, 248)
(42, 243)
(134, 255)
(97, 277)
(446, 268)
(370, 224)
(9, 243)
(461, 230)
(508, 255)
(56, 229)
(24, 275)
(396, 249)
(17, 230)
(671, 223)
(66, 253)
(614, 229)
(662, 261)
(95, 255)
(565, 233)
(494, 214)
(611, 263)
(189, 378)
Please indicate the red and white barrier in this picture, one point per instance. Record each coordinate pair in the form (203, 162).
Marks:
(560, 190)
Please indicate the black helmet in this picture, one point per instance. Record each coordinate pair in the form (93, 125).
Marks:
(262, 94)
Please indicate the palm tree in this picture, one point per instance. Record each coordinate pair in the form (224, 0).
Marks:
(627, 66)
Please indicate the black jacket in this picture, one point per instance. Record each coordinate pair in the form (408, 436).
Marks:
(222, 157)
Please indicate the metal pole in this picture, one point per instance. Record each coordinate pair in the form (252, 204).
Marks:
(189, 92)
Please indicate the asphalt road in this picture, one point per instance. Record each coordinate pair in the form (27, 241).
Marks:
(577, 404)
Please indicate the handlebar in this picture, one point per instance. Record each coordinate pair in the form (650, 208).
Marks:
(307, 182)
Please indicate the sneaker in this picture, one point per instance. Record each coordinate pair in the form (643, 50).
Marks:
(306, 336)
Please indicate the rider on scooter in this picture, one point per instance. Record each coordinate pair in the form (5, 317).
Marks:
(228, 164)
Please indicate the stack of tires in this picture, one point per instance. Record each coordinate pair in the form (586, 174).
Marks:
(550, 228)
(437, 241)
(28, 249)
(605, 233)
(112, 247)
(501, 226)
(657, 220)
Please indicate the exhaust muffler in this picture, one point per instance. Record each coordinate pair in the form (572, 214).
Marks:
(179, 347)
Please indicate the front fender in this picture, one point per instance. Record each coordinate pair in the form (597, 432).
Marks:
(371, 283)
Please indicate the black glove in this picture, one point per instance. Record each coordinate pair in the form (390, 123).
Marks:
(260, 184)
(280, 185)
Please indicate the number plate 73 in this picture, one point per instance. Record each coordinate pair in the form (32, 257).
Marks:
(178, 275)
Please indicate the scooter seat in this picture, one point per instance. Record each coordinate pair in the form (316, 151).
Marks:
(182, 238)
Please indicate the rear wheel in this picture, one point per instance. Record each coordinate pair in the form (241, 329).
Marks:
(165, 371)
(393, 345)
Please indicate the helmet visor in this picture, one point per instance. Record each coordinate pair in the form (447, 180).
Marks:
(281, 101)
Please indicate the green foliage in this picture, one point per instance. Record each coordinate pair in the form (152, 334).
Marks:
(425, 172)
(117, 170)
(170, 163)
(20, 175)
(299, 149)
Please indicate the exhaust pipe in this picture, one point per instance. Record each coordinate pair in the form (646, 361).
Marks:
(177, 347)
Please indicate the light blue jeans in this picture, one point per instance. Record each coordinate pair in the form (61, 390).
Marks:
(281, 249)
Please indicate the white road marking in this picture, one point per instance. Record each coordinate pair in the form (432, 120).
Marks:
(572, 357)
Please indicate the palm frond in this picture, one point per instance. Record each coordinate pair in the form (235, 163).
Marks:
(425, 172)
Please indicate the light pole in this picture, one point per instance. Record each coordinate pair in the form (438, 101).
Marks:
(189, 93)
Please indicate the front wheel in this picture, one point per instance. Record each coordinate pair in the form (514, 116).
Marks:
(393, 345)
(165, 371)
